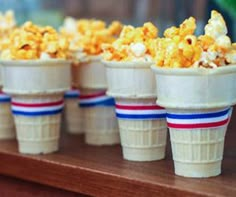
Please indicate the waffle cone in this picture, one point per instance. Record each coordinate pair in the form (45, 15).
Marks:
(73, 116)
(38, 134)
(101, 127)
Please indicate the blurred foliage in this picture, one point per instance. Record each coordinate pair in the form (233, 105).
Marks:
(229, 5)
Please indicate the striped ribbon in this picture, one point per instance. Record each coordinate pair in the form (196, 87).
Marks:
(72, 94)
(37, 109)
(4, 98)
(97, 99)
(199, 120)
(140, 112)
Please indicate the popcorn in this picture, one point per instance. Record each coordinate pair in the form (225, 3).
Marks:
(181, 48)
(31, 42)
(7, 21)
(138, 49)
(88, 35)
(132, 44)
(7, 24)
(216, 26)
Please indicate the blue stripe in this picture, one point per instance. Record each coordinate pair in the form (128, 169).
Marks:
(71, 96)
(5, 100)
(198, 116)
(40, 113)
(108, 102)
(141, 116)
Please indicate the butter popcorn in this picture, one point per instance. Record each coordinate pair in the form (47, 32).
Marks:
(7, 21)
(87, 36)
(181, 48)
(7, 24)
(33, 42)
(132, 44)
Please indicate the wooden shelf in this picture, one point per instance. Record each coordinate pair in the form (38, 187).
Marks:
(101, 171)
(15, 187)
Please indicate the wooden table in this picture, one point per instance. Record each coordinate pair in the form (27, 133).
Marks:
(101, 171)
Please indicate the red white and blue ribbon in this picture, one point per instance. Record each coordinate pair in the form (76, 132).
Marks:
(199, 120)
(72, 94)
(140, 112)
(96, 99)
(37, 109)
(4, 98)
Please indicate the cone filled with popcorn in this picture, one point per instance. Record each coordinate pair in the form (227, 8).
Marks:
(196, 79)
(100, 124)
(36, 74)
(7, 127)
(142, 123)
(73, 116)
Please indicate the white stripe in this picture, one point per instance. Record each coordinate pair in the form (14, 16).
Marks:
(195, 113)
(198, 120)
(93, 100)
(37, 109)
(4, 96)
(135, 104)
(72, 92)
(140, 112)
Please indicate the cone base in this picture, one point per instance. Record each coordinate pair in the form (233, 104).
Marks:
(38, 147)
(7, 133)
(7, 127)
(100, 125)
(197, 170)
(143, 154)
(73, 117)
(142, 140)
(99, 139)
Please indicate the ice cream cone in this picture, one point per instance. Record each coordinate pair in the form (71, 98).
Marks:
(130, 79)
(197, 140)
(36, 76)
(143, 129)
(142, 123)
(73, 114)
(37, 121)
(196, 88)
(92, 74)
(37, 88)
(7, 126)
(100, 124)
(198, 103)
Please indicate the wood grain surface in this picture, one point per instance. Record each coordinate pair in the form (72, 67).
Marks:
(11, 187)
(101, 171)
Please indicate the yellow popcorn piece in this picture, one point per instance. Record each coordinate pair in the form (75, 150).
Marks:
(179, 48)
(216, 25)
(187, 27)
(182, 49)
(31, 41)
(7, 24)
(133, 43)
(89, 35)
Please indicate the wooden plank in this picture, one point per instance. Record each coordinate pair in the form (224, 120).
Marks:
(101, 171)
(15, 187)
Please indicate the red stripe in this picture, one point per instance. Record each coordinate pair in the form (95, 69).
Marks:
(199, 125)
(37, 104)
(87, 96)
(136, 107)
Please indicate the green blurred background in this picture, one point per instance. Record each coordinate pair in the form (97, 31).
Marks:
(163, 13)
